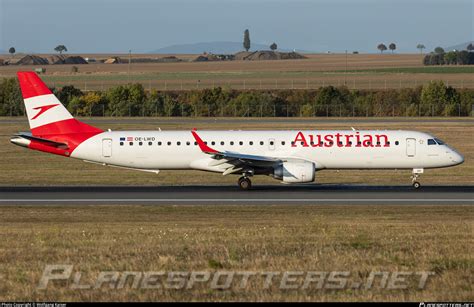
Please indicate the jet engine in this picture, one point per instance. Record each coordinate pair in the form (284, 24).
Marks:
(295, 172)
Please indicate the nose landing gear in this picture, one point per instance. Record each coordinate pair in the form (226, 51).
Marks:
(414, 177)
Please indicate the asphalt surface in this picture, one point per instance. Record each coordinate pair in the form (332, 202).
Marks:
(230, 194)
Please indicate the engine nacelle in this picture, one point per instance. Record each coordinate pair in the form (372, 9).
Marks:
(295, 172)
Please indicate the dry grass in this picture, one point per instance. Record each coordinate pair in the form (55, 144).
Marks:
(318, 70)
(359, 239)
(20, 166)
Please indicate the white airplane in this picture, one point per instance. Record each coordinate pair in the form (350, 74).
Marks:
(288, 156)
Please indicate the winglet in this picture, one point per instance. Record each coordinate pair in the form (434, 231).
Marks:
(203, 146)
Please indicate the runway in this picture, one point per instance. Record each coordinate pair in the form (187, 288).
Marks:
(230, 194)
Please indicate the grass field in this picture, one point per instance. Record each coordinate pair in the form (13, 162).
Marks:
(362, 71)
(20, 166)
(358, 239)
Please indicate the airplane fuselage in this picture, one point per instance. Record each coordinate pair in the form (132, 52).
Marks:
(155, 150)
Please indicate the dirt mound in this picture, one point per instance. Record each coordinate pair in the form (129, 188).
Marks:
(166, 59)
(75, 60)
(32, 60)
(291, 56)
(62, 59)
(56, 59)
(169, 59)
(209, 57)
(267, 55)
(201, 58)
(113, 60)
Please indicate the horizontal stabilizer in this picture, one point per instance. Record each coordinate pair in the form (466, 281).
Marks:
(47, 142)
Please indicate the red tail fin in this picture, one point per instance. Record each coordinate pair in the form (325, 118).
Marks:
(48, 118)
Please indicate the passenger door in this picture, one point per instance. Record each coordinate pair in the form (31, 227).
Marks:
(411, 147)
(107, 148)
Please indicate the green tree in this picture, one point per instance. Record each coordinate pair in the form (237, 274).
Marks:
(470, 47)
(450, 57)
(273, 46)
(439, 50)
(421, 47)
(246, 40)
(66, 93)
(12, 51)
(60, 49)
(118, 101)
(170, 106)
(11, 100)
(76, 106)
(462, 57)
(392, 47)
(434, 97)
(381, 47)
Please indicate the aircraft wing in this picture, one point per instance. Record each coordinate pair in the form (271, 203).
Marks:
(238, 160)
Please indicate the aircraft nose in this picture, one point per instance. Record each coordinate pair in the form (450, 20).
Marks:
(457, 158)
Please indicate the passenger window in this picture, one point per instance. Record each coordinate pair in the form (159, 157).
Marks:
(231, 142)
(169, 143)
(178, 143)
(261, 143)
(271, 143)
(131, 143)
(222, 143)
(282, 142)
(188, 143)
(140, 143)
(213, 143)
(121, 143)
(159, 143)
(241, 143)
(195, 143)
(250, 143)
(149, 143)
(431, 142)
(397, 142)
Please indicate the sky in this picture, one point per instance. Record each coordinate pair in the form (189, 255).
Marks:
(115, 26)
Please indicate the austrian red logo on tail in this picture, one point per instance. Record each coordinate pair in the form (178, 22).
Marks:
(43, 109)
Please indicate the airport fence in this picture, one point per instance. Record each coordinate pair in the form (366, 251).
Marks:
(289, 110)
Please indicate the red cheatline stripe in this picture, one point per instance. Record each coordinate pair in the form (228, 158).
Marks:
(31, 85)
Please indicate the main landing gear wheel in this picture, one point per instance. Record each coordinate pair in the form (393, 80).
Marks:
(416, 185)
(245, 183)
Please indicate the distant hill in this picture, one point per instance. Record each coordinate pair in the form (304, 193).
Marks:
(462, 46)
(212, 47)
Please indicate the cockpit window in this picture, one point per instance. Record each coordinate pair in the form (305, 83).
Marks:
(439, 142)
(431, 142)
